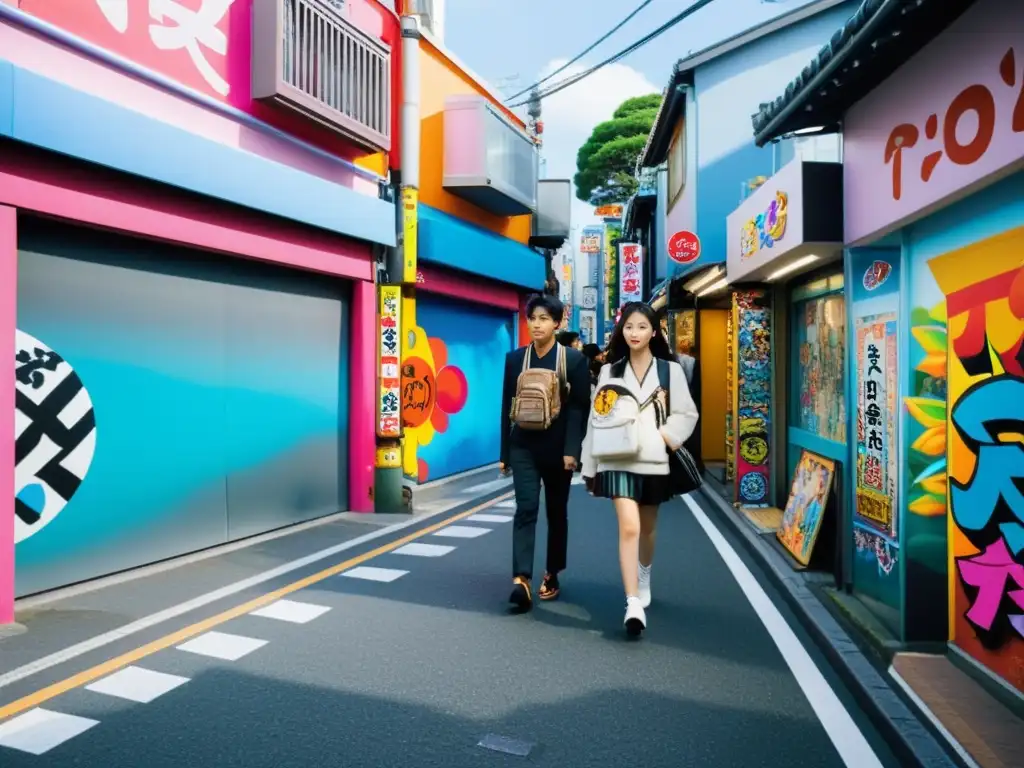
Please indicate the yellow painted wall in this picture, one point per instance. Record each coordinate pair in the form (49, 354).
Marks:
(441, 78)
(712, 325)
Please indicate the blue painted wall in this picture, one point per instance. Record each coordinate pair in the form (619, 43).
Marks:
(728, 91)
(477, 339)
(220, 394)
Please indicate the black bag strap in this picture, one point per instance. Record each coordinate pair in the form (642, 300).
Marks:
(665, 382)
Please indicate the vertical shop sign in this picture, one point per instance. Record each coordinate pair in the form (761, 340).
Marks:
(611, 278)
(730, 396)
(630, 278)
(389, 415)
(753, 397)
(876, 420)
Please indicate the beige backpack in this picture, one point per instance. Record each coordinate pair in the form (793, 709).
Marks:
(538, 399)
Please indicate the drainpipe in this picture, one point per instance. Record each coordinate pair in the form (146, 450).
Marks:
(397, 281)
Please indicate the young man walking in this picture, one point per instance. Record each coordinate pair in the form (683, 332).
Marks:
(544, 406)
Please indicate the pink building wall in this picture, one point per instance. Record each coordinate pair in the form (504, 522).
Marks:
(948, 121)
(8, 302)
(362, 441)
(447, 283)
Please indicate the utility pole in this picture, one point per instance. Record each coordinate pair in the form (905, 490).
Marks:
(397, 285)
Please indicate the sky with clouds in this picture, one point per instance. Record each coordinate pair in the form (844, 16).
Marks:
(513, 43)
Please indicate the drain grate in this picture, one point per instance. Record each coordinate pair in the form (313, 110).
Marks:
(506, 745)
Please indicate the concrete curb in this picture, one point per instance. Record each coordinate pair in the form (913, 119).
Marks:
(913, 743)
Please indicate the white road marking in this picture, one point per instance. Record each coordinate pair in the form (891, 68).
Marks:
(291, 611)
(40, 730)
(137, 684)
(510, 504)
(489, 519)
(461, 532)
(416, 549)
(846, 737)
(370, 573)
(494, 485)
(114, 635)
(221, 645)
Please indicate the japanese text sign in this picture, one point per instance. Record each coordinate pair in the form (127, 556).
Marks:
(389, 415)
(186, 40)
(949, 118)
(631, 281)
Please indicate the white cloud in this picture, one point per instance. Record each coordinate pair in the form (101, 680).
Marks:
(570, 115)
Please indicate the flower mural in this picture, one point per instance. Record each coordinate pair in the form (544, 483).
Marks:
(928, 409)
(432, 391)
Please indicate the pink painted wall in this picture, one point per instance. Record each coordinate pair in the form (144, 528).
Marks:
(362, 433)
(447, 283)
(957, 105)
(8, 318)
(40, 182)
(78, 71)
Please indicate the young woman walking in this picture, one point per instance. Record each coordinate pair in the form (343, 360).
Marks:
(636, 420)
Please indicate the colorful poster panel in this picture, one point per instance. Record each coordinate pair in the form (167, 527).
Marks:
(753, 398)
(806, 505)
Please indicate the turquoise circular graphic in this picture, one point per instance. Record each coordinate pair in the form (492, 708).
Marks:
(54, 435)
(753, 486)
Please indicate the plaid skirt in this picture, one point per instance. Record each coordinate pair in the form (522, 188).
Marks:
(646, 490)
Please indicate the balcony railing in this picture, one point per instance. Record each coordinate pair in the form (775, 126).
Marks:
(308, 58)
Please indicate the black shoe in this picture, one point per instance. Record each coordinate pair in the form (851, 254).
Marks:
(521, 599)
(549, 588)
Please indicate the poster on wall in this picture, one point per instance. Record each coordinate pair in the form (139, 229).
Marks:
(730, 397)
(752, 424)
(806, 505)
(877, 390)
(389, 422)
(631, 285)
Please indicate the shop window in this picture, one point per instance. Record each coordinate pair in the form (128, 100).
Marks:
(821, 346)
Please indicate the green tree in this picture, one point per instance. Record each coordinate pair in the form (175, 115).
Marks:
(606, 163)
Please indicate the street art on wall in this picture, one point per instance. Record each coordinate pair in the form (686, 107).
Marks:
(766, 229)
(730, 397)
(752, 423)
(969, 322)
(55, 435)
(806, 505)
(877, 390)
(451, 383)
(611, 272)
(822, 349)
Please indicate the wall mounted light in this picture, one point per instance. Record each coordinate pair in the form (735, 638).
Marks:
(716, 286)
(791, 267)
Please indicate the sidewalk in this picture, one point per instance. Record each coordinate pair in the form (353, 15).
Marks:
(48, 624)
(928, 706)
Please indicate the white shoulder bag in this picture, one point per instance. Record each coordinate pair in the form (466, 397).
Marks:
(615, 423)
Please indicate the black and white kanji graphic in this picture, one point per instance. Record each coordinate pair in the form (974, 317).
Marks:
(55, 435)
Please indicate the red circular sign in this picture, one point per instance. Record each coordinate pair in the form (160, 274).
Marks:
(684, 247)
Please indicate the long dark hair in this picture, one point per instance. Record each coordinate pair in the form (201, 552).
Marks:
(619, 349)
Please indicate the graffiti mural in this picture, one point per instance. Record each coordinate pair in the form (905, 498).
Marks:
(730, 398)
(752, 423)
(979, 460)
(54, 432)
(451, 373)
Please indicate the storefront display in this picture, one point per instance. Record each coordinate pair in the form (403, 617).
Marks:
(821, 336)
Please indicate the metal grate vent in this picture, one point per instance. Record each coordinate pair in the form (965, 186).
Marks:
(323, 66)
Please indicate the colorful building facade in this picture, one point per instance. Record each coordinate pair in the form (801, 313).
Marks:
(934, 272)
(187, 225)
(475, 267)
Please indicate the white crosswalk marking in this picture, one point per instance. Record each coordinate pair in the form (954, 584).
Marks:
(221, 645)
(369, 573)
(40, 730)
(461, 532)
(489, 519)
(291, 611)
(137, 684)
(424, 550)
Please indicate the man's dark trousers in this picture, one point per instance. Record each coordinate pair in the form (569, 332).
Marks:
(528, 473)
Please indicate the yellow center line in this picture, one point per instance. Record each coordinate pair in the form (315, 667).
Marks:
(176, 638)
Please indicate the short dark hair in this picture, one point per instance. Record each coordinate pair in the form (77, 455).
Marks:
(549, 304)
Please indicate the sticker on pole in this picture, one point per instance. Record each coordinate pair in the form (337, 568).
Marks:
(684, 247)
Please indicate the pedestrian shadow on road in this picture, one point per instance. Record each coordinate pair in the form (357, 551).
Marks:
(322, 712)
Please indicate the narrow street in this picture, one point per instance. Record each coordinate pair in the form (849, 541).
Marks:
(407, 656)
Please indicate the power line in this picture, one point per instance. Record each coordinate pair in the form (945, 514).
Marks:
(621, 54)
(594, 45)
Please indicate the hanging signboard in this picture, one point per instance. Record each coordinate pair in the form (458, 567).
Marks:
(877, 390)
(684, 247)
(389, 423)
(631, 282)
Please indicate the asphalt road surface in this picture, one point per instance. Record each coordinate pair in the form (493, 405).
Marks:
(409, 658)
